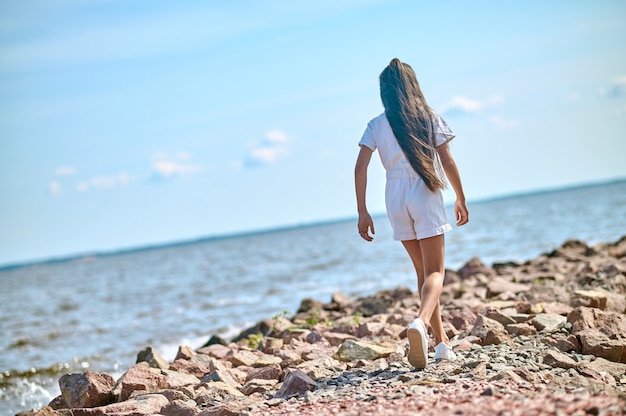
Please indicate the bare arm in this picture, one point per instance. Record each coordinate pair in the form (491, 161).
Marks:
(452, 173)
(365, 224)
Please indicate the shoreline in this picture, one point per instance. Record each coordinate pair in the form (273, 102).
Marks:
(547, 335)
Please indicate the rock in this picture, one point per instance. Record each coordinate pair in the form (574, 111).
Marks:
(341, 300)
(180, 408)
(189, 367)
(596, 343)
(589, 298)
(369, 329)
(263, 327)
(474, 266)
(558, 359)
(87, 389)
(258, 386)
(335, 338)
(609, 323)
(352, 350)
(219, 351)
(271, 372)
(548, 322)
(243, 357)
(373, 305)
(521, 329)
(214, 340)
(309, 305)
(499, 285)
(58, 403)
(176, 380)
(44, 411)
(148, 404)
(490, 331)
(215, 391)
(497, 315)
(185, 353)
(296, 383)
(224, 376)
(461, 318)
(139, 377)
(600, 365)
(270, 345)
(153, 358)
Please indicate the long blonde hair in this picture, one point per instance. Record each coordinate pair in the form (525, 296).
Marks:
(411, 120)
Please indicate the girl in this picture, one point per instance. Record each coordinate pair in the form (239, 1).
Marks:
(412, 141)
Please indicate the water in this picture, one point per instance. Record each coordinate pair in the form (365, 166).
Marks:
(97, 312)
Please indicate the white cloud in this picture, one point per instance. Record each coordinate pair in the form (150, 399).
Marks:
(274, 145)
(464, 105)
(165, 166)
(65, 171)
(617, 88)
(103, 182)
(55, 188)
(504, 124)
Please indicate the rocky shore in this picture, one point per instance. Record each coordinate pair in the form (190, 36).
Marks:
(546, 337)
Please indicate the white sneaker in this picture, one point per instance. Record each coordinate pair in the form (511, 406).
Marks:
(418, 344)
(444, 352)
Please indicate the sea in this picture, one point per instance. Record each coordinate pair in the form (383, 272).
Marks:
(96, 312)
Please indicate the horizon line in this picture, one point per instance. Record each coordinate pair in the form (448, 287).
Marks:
(277, 229)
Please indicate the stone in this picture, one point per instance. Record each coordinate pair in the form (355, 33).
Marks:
(87, 389)
(139, 377)
(185, 352)
(243, 357)
(214, 340)
(180, 408)
(548, 322)
(474, 266)
(341, 300)
(336, 339)
(596, 343)
(176, 380)
(521, 329)
(497, 315)
(499, 285)
(145, 405)
(258, 386)
(352, 350)
(219, 351)
(490, 332)
(558, 359)
(617, 370)
(58, 403)
(461, 318)
(296, 383)
(609, 323)
(270, 345)
(373, 305)
(189, 367)
(153, 358)
(224, 376)
(309, 305)
(265, 360)
(215, 391)
(270, 372)
(589, 298)
(369, 329)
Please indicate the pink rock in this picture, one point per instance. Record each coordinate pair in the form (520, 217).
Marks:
(609, 323)
(139, 377)
(271, 372)
(461, 318)
(180, 408)
(295, 383)
(490, 331)
(185, 353)
(258, 386)
(558, 359)
(521, 329)
(596, 343)
(219, 351)
(148, 404)
(87, 389)
(335, 338)
(475, 266)
(190, 367)
(499, 285)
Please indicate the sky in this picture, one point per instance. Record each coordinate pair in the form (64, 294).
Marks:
(134, 123)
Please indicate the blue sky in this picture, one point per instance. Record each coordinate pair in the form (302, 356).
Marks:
(131, 123)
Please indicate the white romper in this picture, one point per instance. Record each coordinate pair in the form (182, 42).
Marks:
(415, 212)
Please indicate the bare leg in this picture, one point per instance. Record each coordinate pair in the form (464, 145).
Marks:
(427, 256)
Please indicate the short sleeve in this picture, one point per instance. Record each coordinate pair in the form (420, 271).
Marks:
(443, 134)
(368, 140)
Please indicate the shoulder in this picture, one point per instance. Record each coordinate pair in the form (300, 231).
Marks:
(378, 121)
